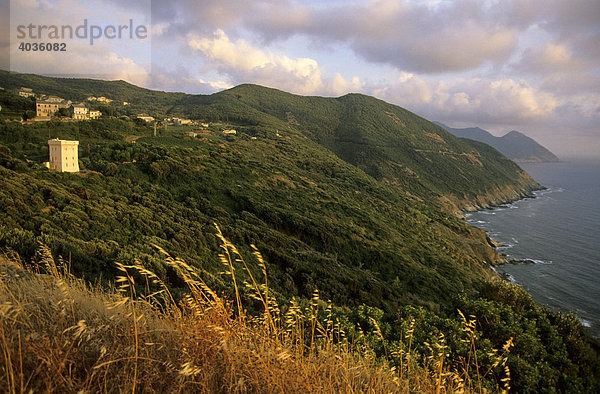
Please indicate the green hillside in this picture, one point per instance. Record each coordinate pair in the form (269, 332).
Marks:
(387, 142)
(321, 222)
(393, 145)
(350, 196)
(344, 192)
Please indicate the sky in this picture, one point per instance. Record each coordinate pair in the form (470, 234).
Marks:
(502, 65)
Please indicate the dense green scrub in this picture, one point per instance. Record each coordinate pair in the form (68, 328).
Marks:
(350, 196)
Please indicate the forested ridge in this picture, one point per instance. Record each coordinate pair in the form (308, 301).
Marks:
(352, 197)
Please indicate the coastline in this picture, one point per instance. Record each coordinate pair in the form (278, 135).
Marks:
(548, 270)
(523, 188)
(497, 245)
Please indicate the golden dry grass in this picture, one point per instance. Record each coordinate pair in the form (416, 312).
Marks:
(58, 334)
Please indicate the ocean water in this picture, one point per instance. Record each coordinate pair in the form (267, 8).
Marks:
(559, 231)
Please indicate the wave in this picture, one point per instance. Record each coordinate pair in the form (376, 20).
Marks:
(504, 246)
(509, 278)
(530, 261)
(546, 262)
(508, 245)
(550, 190)
(585, 323)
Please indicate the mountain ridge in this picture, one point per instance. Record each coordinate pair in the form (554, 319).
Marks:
(514, 144)
(356, 134)
(351, 197)
(388, 142)
(336, 160)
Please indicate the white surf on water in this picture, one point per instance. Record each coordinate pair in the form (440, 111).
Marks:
(557, 234)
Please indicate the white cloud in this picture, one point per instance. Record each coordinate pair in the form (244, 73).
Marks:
(107, 58)
(549, 57)
(181, 80)
(473, 99)
(81, 62)
(243, 62)
(414, 36)
(339, 86)
(158, 29)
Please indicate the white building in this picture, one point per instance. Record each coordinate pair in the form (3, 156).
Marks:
(47, 106)
(181, 122)
(63, 155)
(145, 118)
(80, 112)
(26, 92)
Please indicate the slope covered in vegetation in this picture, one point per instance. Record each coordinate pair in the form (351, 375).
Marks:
(369, 225)
(394, 146)
(387, 142)
(60, 334)
(322, 222)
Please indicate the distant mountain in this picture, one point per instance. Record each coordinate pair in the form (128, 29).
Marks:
(514, 145)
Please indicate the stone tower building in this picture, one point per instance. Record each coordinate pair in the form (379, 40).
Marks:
(63, 155)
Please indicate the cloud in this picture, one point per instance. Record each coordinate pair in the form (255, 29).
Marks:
(549, 57)
(417, 36)
(448, 36)
(338, 86)
(107, 58)
(572, 84)
(180, 79)
(414, 36)
(243, 62)
(101, 63)
(475, 99)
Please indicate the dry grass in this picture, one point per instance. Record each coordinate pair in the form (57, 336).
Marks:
(59, 335)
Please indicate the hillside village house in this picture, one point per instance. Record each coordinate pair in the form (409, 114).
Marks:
(47, 106)
(145, 118)
(101, 99)
(26, 92)
(79, 112)
(45, 109)
(229, 132)
(95, 114)
(63, 155)
(181, 122)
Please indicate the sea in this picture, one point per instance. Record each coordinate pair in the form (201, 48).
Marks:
(558, 231)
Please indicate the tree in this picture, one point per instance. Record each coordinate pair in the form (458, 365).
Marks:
(63, 113)
(28, 115)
